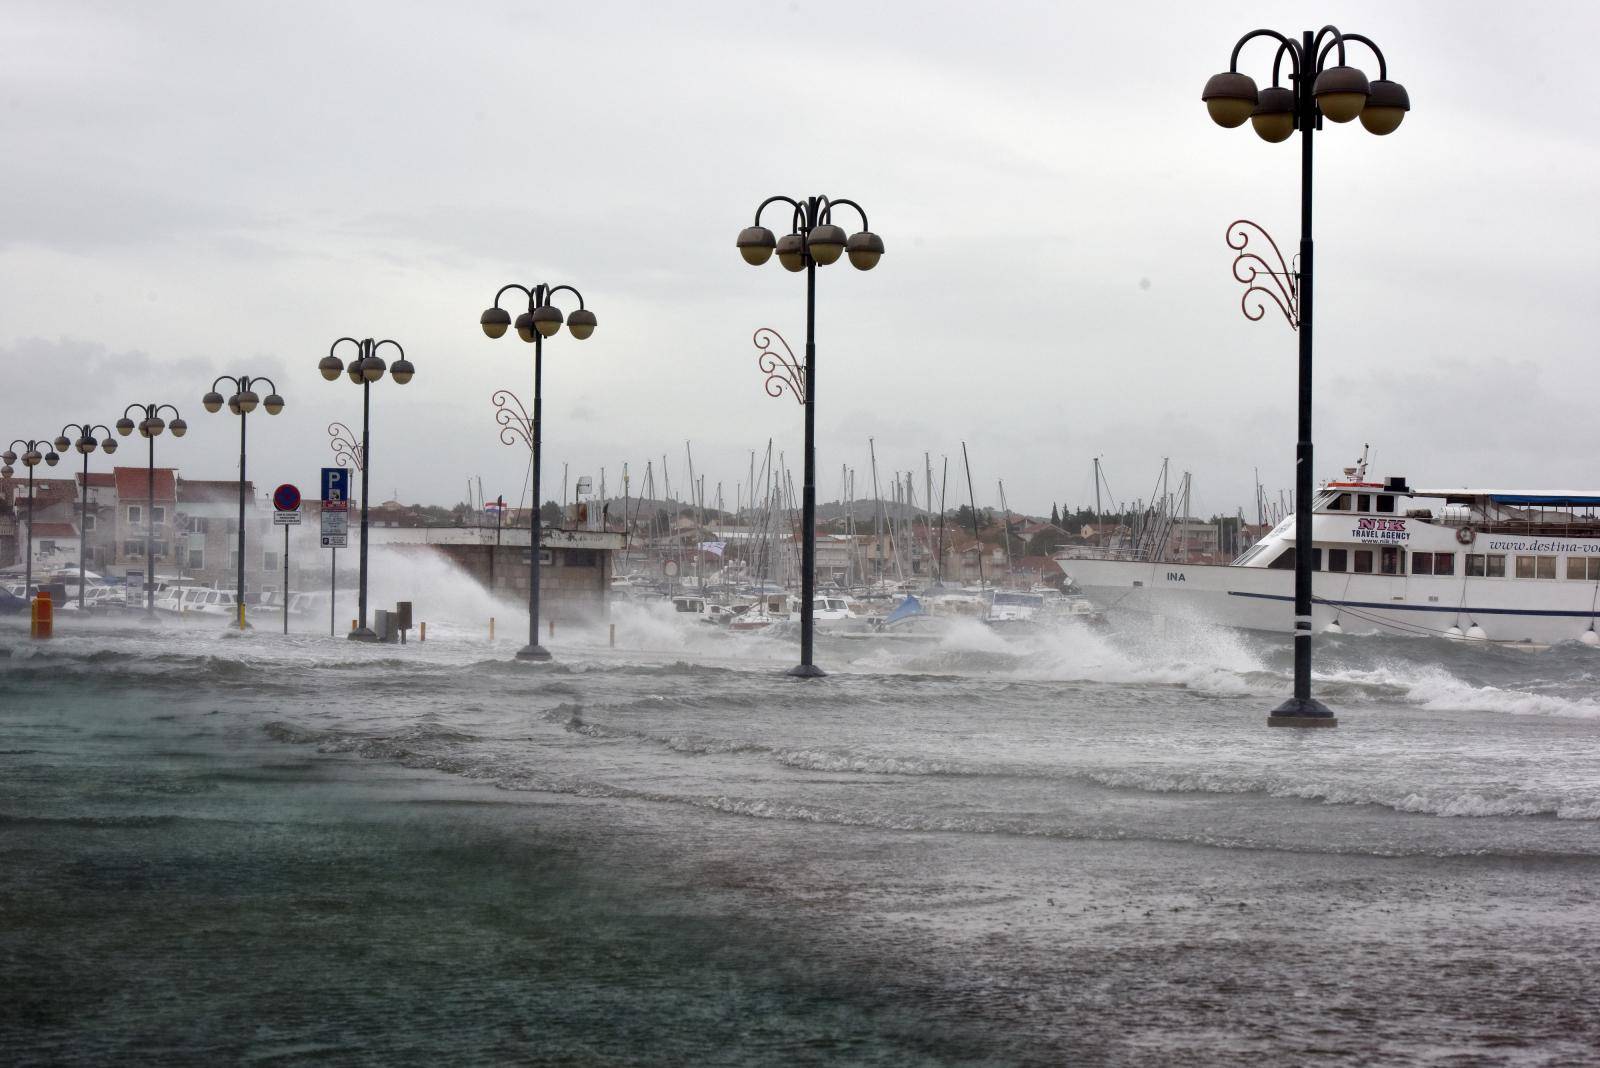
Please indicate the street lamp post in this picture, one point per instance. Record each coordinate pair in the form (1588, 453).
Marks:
(150, 427)
(1339, 93)
(542, 319)
(30, 456)
(242, 403)
(364, 370)
(813, 240)
(346, 451)
(85, 443)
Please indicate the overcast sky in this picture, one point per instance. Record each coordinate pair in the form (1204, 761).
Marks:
(203, 188)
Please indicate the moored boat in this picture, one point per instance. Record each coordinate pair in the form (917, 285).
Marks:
(1486, 564)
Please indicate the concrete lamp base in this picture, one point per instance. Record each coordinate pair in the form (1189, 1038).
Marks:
(806, 671)
(363, 634)
(533, 652)
(1297, 713)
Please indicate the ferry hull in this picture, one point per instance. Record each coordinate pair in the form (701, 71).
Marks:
(1255, 598)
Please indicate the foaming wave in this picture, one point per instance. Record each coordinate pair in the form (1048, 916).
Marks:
(1438, 690)
(1432, 801)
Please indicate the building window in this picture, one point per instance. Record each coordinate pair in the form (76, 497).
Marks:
(1338, 559)
(135, 513)
(1433, 563)
(1536, 567)
(1363, 562)
(133, 548)
(197, 559)
(88, 523)
(158, 515)
(47, 545)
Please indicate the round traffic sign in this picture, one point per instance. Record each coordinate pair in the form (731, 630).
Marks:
(286, 498)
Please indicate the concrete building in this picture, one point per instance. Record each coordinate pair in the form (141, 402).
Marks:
(574, 574)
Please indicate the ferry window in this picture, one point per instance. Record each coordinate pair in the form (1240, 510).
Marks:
(1341, 503)
(1435, 563)
(1583, 570)
(1496, 565)
(1391, 562)
(1284, 560)
(1363, 564)
(1364, 502)
(1536, 567)
(1316, 559)
(1338, 559)
(1385, 503)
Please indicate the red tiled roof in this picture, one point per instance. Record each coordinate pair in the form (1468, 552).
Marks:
(55, 530)
(98, 478)
(203, 491)
(133, 484)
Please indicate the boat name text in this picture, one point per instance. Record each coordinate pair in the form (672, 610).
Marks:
(1381, 530)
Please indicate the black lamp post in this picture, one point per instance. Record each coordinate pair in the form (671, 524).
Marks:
(542, 319)
(813, 239)
(364, 370)
(1317, 91)
(150, 427)
(85, 443)
(242, 403)
(31, 455)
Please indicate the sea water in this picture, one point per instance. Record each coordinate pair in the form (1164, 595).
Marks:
(1077, 844)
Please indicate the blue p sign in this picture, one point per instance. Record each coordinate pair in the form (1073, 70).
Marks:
(335, 485)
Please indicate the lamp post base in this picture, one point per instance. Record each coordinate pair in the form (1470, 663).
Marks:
(806, 671)
(1297, 713)
(363, 634)
(534, 651)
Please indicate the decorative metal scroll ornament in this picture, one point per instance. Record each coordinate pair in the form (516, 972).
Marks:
(783, 370)
(346, 450)
(1265, 279)
(512, 417)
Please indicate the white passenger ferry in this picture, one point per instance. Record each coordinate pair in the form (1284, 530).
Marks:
(1484, 564)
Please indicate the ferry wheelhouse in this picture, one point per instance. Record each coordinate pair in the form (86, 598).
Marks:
(1485, 564)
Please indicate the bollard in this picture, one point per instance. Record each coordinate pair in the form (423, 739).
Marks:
(241, 615)
(42, 620)
(422, 631)
(352, 624)
(552, 630)
(613, 635)
(491, 628)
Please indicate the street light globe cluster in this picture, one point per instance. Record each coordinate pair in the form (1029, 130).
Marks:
(85, 444)
(243, 402)
(152, 426)
(1342, 93)
(825, 243)
(545, 321)
(30, 457)
(366, 369)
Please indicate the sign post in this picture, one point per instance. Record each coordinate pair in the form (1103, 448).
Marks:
(286, 505)
(335, 532)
